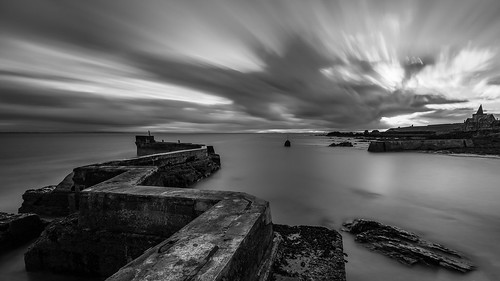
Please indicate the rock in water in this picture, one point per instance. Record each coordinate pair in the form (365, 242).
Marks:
(342, 144)
(287, 143)
(16, 229)
(404, 246)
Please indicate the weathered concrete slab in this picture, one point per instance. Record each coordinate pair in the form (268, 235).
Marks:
(227, 241)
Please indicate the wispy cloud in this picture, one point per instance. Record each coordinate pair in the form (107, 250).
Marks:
(244, 65)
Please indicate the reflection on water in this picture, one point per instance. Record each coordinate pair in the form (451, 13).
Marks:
(451, 200)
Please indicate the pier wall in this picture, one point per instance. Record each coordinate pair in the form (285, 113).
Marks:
(176, 169)
(148, 145)
(200, 234)
(130, 225)
(408, 145)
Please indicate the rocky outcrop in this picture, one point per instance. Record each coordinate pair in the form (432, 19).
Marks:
(66, 248)
(188, 173)
(404, 246)
(308, 253)
(342, 144)
(16, 229)
(45, 201)
(51, 201)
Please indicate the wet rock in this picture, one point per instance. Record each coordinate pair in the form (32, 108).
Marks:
(342, 144)
(45, 201)
(404, 246)
(188, 173)
(16, 229)
(308, 253)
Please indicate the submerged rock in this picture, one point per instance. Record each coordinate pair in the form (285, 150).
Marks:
(404, 246)
(308, 253)
(16, 229)
(342, 144)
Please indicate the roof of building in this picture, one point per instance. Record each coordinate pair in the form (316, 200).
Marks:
(480, 110)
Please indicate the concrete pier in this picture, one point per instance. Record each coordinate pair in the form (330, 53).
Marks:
(130, 226)
(214, 235)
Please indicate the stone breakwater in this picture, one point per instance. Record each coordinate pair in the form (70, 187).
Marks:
(408, 145)
(147, 145)
(176, 169)
(128, 224)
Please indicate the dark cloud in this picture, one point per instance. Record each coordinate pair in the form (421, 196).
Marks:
(293, 81)
(455, 115)
(7, 75)
(413, 65)
(494, 81)
(80, 111)
(288, 91)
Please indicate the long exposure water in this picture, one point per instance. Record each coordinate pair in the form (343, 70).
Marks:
(453, 200)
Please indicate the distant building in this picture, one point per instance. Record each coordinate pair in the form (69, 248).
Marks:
(480, 121)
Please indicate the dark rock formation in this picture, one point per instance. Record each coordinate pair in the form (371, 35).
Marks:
(345, 134)
(308, 253)
(404, 246)
(342, 144)
(51, 201)
(66, 248)
(46, 201)
(16, 229)
(188, 173)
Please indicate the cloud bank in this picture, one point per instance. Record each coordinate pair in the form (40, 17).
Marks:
(244, 66)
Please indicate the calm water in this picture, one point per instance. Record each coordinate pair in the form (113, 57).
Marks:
(447, 199)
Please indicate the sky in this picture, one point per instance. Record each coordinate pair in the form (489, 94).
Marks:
(245, 66)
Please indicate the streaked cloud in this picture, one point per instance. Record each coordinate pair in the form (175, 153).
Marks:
(245, 65)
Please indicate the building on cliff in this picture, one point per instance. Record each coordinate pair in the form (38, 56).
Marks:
(481, 121)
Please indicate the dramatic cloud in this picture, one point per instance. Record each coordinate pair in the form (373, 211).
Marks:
(244, 66)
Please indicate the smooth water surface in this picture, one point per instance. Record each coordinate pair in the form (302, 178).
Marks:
(447, 199)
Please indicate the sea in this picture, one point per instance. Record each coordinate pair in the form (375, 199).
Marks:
(449, 199)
